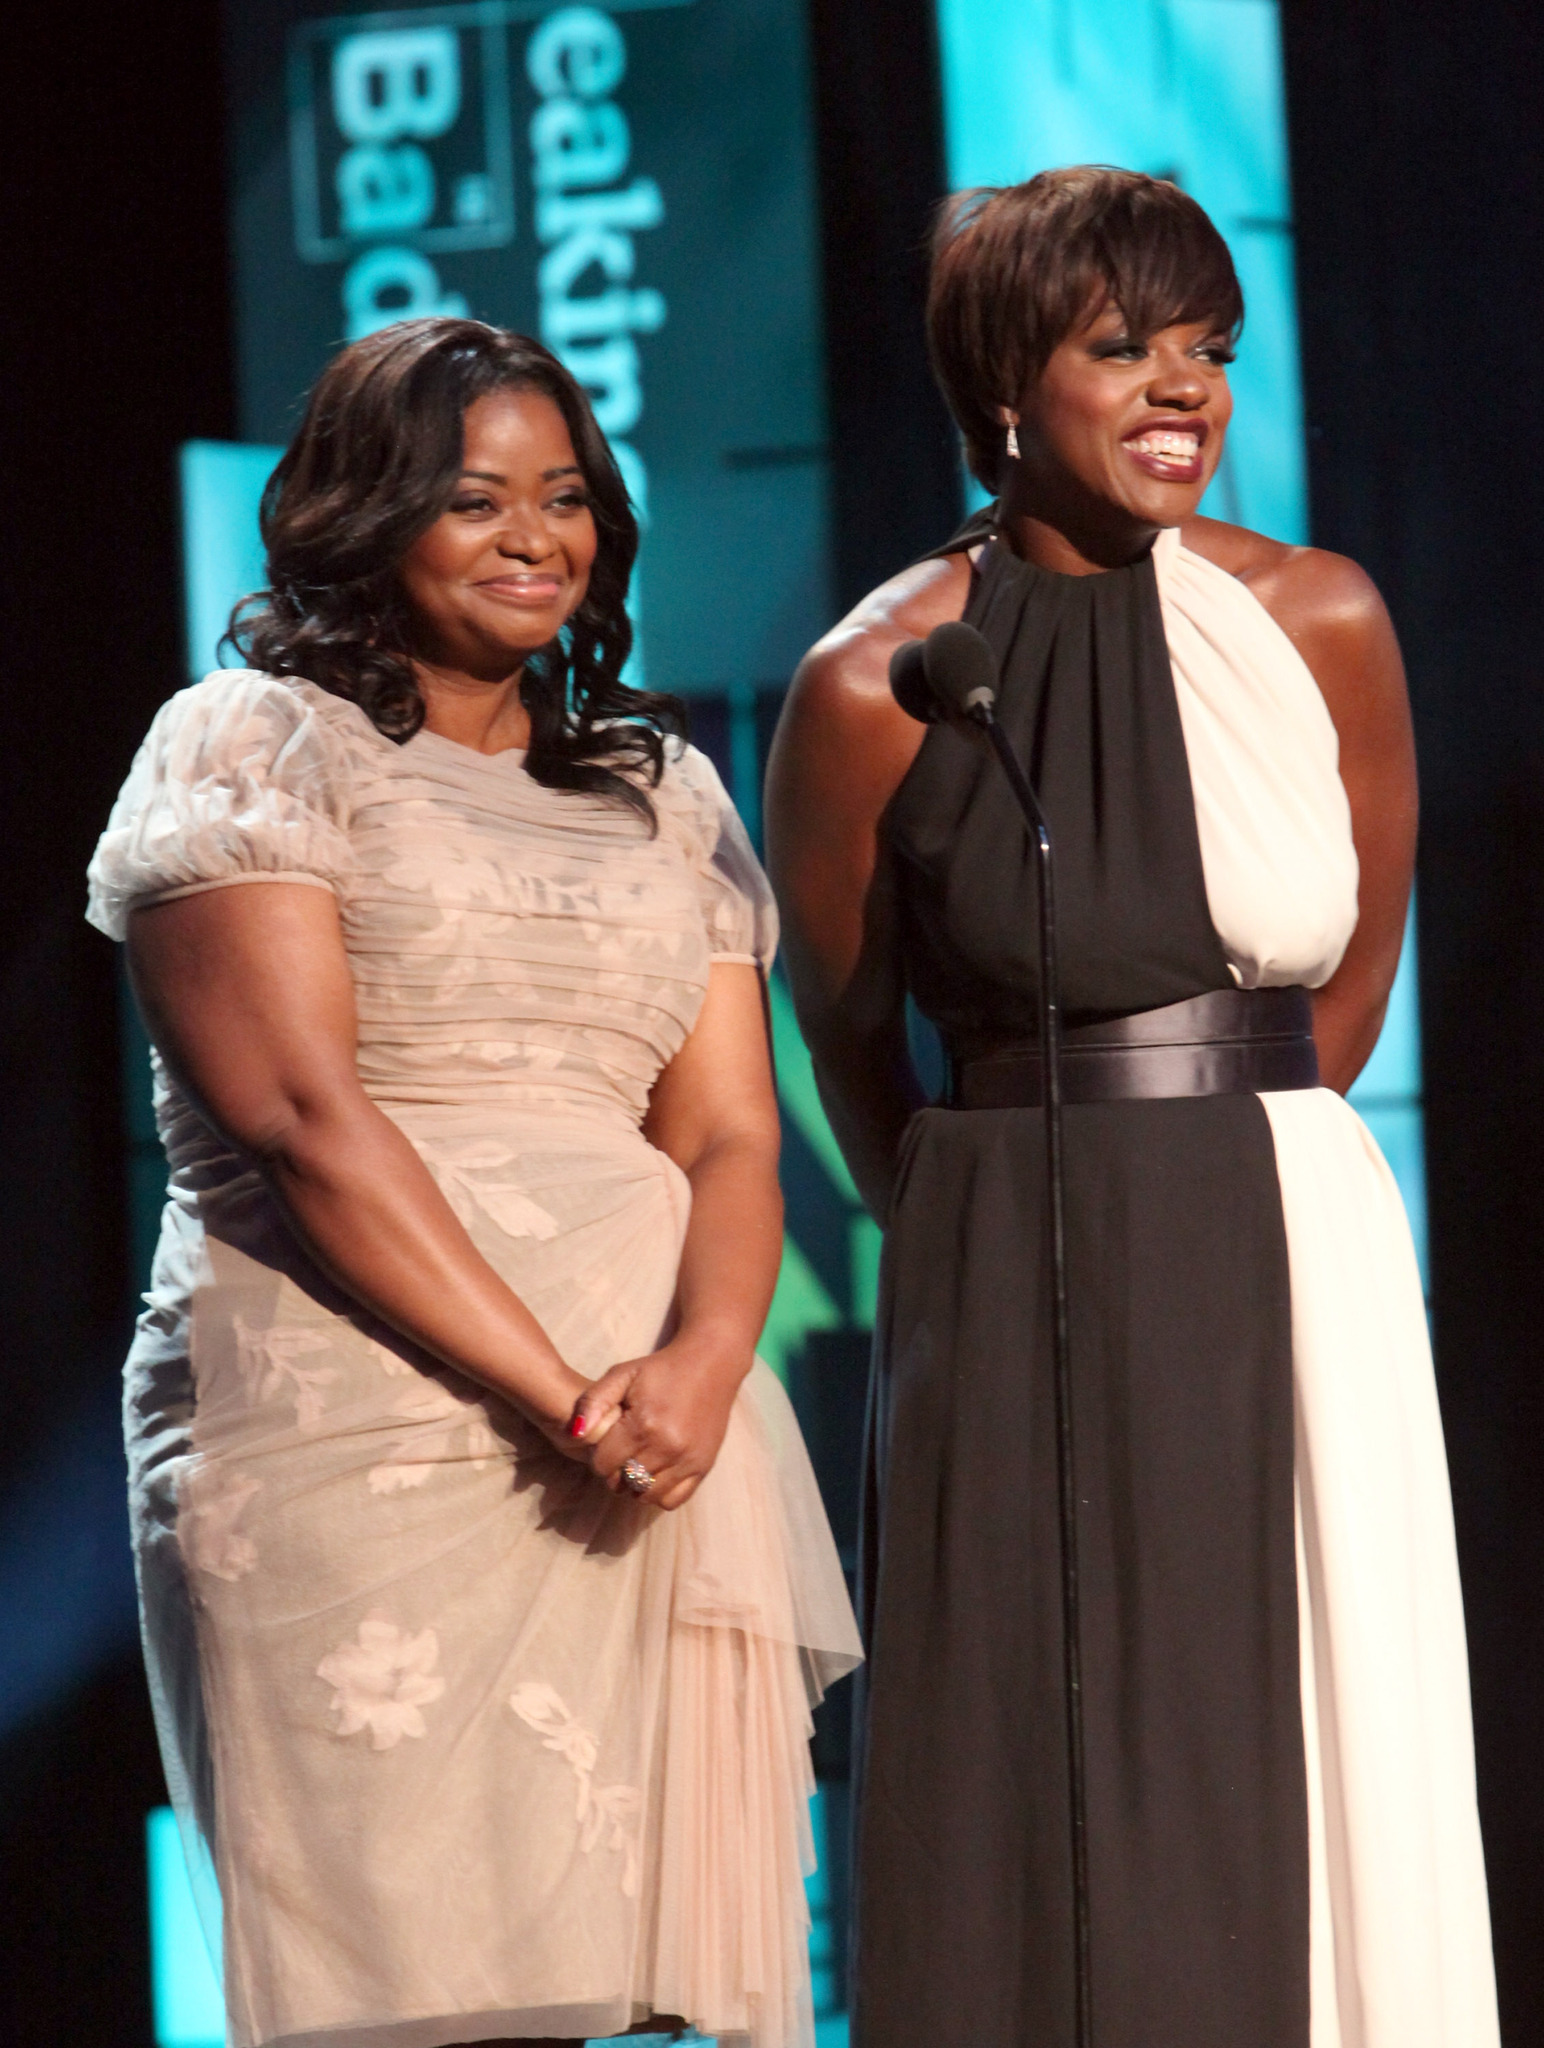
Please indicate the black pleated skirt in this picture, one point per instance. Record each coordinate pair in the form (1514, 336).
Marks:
(1183, 1410)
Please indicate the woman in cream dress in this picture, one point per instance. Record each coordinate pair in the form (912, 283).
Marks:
(486, 1588)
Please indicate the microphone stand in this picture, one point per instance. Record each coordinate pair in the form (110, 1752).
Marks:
(979, 708)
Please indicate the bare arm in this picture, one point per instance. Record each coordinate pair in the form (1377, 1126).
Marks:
(714, 1112)
(1336, 619)
(248, 995)
(842, 749)
(1351, 649)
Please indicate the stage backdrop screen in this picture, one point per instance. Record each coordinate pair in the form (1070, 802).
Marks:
(634, 185)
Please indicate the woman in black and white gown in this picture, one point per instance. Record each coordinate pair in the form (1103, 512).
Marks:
(1283, 1840)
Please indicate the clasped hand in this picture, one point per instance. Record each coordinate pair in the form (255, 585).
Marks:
(668, 1411)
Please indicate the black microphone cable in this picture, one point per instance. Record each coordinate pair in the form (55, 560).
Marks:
(953, 675)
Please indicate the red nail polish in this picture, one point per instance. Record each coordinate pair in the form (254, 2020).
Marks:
(578, 1426)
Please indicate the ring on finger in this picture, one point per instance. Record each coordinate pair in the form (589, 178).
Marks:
(638, 1479)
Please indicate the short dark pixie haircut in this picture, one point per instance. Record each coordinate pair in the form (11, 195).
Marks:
(1017, 268)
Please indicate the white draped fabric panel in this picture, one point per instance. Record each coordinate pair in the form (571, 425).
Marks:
(1400, 1923)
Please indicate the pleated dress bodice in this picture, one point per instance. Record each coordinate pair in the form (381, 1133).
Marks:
(1160, 780)
(1087, 700)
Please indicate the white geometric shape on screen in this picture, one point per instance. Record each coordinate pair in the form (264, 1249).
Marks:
(397, 81)
(401, 131)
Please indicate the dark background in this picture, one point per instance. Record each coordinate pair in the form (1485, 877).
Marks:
(113, 349)
(1419, 194)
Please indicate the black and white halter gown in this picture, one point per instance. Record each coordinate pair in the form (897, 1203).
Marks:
(1285, 1850)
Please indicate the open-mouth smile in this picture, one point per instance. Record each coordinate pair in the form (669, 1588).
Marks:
(1172, 453)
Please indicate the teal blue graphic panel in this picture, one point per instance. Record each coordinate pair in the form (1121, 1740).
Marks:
(634, 185)
(1186, 89)
(222, 555)
(188, 2005)
(1190, 90)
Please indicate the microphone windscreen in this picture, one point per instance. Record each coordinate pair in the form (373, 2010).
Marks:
(960, 668)
(909, 684)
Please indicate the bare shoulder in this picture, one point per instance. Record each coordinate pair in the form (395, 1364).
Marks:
(843, 744)
(1325, 603)
(847, 671)
(1331, 611)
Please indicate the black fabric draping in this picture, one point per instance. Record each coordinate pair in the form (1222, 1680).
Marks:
(1182, 1369)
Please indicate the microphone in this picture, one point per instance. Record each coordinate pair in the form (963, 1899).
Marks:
(950, 674)
(953, 675)
(909, 685)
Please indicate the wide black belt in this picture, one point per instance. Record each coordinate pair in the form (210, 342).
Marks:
(1232, 1041)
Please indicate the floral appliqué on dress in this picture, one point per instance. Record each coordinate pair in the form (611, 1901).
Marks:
(270, 1359)
(598, 1807)
(383, 1680)
(469, 1173)
(419, 1450)
(210, 1501)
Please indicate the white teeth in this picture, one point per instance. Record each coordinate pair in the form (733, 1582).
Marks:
(1169, 447)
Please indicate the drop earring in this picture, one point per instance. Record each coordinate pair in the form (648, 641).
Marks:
(1013, 441)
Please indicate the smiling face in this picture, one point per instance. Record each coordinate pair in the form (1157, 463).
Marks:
(508, 562)
(1119, 435)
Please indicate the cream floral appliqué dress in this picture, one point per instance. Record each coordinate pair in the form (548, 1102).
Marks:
(478, 1748)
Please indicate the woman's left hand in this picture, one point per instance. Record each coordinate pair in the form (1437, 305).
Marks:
(666, 1412)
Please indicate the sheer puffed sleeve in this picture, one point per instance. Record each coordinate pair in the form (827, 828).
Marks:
(240, 779)
(737, 904)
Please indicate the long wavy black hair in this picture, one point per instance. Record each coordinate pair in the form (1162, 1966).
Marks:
(375, 462)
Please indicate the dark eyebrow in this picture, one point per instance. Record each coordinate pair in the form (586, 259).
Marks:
(548, 476)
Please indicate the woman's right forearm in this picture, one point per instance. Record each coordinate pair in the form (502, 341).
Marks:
(249, 996)
(370, 1211)
(870, 1093)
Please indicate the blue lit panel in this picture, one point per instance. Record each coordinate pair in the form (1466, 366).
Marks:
(830, 2023)
(1192, 90)
(1187, 89)
(222, 556)
(1387, 1094)
(634, 183)
(189, 2009)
